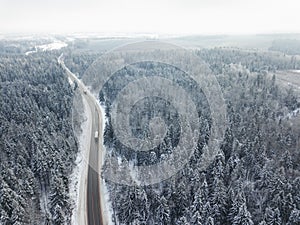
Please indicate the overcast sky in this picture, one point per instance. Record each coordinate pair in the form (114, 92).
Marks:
(153, 16)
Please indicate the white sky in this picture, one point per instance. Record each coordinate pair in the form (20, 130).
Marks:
(151, 16)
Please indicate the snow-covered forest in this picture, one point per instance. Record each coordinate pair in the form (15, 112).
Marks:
(37, 144)
(254, 179)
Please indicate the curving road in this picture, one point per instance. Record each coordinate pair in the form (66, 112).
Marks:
(94, 206)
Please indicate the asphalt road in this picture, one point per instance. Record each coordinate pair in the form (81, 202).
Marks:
(94, 212)
(93, 196)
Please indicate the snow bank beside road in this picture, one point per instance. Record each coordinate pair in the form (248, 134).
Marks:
(108, 204)
(80, 173)
(105, 196)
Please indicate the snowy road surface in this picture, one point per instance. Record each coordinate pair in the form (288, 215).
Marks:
(93, 204)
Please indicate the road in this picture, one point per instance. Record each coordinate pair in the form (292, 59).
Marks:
(94, 205)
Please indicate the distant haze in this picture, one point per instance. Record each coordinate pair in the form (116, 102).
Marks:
(152, 16)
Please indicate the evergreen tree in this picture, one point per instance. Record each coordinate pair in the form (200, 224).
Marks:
(182, 221)
(58, 215)
(218, 202)
(243, 217)
(209, 221)
(238, 201)
(272, 217)
(4, 219)
(294, 218)
(163, 212)
(197, 219)
(227, 145)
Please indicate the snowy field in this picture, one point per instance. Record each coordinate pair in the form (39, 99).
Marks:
(48, 47)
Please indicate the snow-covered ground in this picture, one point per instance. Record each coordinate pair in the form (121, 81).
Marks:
(104, 121)
(292, 114)
(56, 45)
(108, 210)
(296, 71)
(30, 52)
(296, 112)
(108, 207)
(52, 46)
(44, 201)
(292, 79)
(79, 175)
